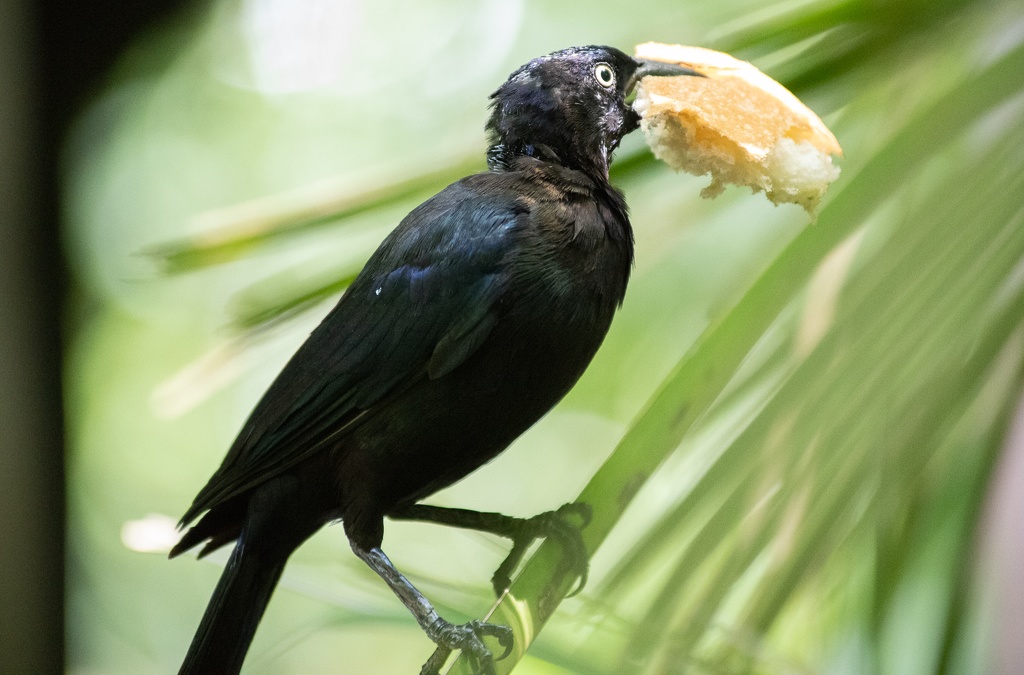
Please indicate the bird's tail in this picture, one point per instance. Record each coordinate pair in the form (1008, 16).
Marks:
(237, 605)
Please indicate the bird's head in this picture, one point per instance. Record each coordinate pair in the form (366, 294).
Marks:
(569, 107)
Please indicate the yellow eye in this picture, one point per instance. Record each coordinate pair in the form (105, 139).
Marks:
(605, 75)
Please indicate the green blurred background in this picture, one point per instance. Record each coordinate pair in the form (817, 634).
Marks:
(828, 404)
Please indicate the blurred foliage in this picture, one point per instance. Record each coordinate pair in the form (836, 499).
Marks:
(786, 437)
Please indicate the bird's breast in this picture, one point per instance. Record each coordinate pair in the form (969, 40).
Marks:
(578, 253)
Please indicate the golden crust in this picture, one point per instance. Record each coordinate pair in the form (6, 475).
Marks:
(735, 100)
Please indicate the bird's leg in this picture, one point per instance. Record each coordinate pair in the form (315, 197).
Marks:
(447, 636)
(522, 531)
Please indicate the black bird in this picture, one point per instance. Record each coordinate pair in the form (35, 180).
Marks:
(471, 320)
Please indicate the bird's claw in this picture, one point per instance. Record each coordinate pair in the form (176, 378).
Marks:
(555, 525)
(466, 637)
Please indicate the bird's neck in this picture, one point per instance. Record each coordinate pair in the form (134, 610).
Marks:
(503, 156)
(573, 185)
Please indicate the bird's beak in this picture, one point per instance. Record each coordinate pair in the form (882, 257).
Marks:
(659, 69)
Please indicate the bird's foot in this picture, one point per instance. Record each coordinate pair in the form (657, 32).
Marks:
(467, 637)
(559, 525)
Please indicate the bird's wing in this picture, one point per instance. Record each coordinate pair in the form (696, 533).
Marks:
(425, 301)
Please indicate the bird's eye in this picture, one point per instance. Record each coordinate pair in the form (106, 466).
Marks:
(605, 75)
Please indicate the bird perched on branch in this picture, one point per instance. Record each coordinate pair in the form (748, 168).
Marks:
(473, 318)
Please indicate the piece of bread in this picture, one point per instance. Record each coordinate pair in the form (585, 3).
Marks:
(737, 124)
